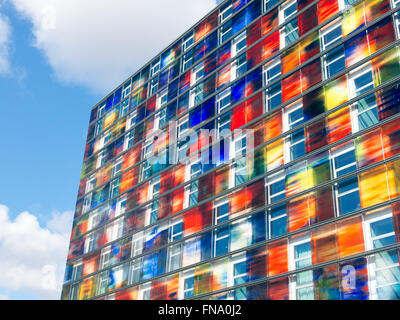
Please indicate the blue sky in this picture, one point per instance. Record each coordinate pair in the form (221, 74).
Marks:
(55, 64)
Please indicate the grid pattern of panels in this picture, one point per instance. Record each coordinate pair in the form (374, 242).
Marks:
(302, 198)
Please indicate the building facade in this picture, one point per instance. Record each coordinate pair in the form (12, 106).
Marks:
(257, 157)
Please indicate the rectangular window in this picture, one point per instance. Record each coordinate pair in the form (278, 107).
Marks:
(273, 94)
(238, 43)
(289, 33)
(116, 169)
(101, 159)
(239, 276)
(131, 121)
(188, 41)
(334, 61)
(87, 201)
(277, 216)
(137, 244)
(145, 291)
(121, 206)
(155, 67)
(239, 67)
(240, 165)
(268, 4)
(175, 256)
(90, 183)
(153, 86)
(195, 170)
(187, 60)
(196, 95)
(94, 219)
(154, 192)
(383, 267)
(127, 90)
(295, 142)
(222, 234)
(347, 191)
(197, 73)
(129, 138)
(301, 284)
(76, 271)
(187, 285)
(364, 111)
(114, 188)
(124, 107)
(89, 243)
(135, 271)
(225, 32)
(146, 167)
(105, 260)
(225, 12)
(223, 102)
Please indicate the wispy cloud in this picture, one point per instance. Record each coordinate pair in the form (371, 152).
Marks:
(33, 257)
(99, 43)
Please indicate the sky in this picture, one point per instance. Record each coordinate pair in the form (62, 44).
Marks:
(58, 59)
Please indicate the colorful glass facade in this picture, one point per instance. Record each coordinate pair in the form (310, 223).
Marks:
(304, 201)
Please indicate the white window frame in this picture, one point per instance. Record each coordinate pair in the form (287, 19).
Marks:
(90, 183)
(77, 267)
(372, 268)
(89, 243)
(220, 107)
(333, 155)
(236, 259)
(105, 258)
(137, 244)
(101, 159)
(87, 201)
(94, 219)
(217, 204)
(116, 168)
(155, 67)
(187, 274)
(131, 119)
(223, 11)
(237, 66)
(153, 183)
(121, 206)
(197, 73)
(267, 79)
(292, 265)
(126, 90)
(240, 155)
(145, 289)
(147, 152)
(283, 19)
(353, 92)
(135, 265)
(190, 176)
(188, 41)
(324, 46)
(270, 180)
(287, 126)
(236, 41)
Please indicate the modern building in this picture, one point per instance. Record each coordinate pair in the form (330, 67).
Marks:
(257, 157)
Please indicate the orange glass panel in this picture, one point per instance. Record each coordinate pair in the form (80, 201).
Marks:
(350, 236)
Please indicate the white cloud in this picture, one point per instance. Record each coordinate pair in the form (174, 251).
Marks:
(5, 33)
(99, 43)
(33, 257)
